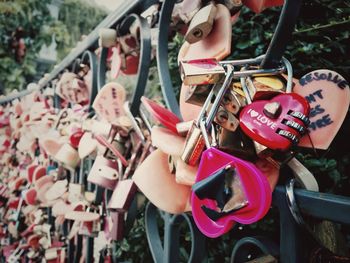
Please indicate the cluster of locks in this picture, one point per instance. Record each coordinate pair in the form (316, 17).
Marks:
(72, 163)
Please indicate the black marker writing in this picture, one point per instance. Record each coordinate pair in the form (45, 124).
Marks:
(320, 123)
(313, 96)
(316, 110)
(315, 76)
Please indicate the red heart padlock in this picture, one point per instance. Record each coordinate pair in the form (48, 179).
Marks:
(161, 114)
(75, 138)
(277, 123)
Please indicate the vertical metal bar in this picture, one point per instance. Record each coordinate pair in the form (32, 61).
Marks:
(89, 250)
(291, 238)
(283, 33)
(162, 57)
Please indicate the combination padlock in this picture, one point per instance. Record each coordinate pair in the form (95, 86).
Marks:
(277, 124)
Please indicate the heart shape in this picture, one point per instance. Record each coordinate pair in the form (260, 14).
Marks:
(131, 65)
(329, 97)
(109, 103)
(254, 183)
(253, 113)
(264, 130)
(260, 5)
(161, 114)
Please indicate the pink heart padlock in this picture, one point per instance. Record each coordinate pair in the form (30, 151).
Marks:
(277, 123)
(254, 184)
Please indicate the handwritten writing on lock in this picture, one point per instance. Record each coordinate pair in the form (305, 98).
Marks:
(328, 94)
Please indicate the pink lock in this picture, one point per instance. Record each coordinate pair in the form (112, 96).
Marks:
(254, 184)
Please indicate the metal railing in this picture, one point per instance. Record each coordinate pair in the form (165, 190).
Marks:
(291, 248)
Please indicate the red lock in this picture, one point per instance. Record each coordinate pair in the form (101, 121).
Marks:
(277, 123)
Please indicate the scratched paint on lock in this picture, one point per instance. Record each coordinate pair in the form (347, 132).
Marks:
(329, 96)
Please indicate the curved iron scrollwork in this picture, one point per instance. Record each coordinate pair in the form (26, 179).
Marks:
(169, 251)
(162, 57)
(249, 248)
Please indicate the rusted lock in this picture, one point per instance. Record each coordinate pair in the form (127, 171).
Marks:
(201, 24)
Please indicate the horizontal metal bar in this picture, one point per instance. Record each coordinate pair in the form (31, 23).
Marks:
(321, 205)
(258, 72)
(17, 95)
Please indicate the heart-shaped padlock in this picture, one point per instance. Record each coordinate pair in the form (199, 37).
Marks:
(277, 123)
(161, 114)
(209, 193)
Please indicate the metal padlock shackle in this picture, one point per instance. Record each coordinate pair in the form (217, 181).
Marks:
(287, 66)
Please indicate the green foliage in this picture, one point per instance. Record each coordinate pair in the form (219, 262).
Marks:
(76, 18)
(79, 18)
(30, 16)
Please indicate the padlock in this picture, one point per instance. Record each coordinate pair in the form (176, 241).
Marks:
(75, 192)
(122, 195)
(188, 9)
(197, 94)
(265, 87)
(232, 101)
(195, 143)
(104, 172)
(237, 144)
(107, 37)
(226, 119)
(201, 71)
(117, 232)
(277, 123)
(219, 198)
(51, 253)
(201, 24)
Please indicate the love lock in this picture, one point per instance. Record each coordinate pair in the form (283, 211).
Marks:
(104, 172)
(201, 24)
(278, 123)
(227, 190)
(161, 114)
(195, 143)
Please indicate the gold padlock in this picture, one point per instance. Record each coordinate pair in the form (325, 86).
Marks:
(194, 146)
(201, 24)
(201, 71)
(226, 119)
(197, 94)
(265, 87)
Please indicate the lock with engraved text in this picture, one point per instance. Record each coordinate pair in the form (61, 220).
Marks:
(277, 123)
(201, 24)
